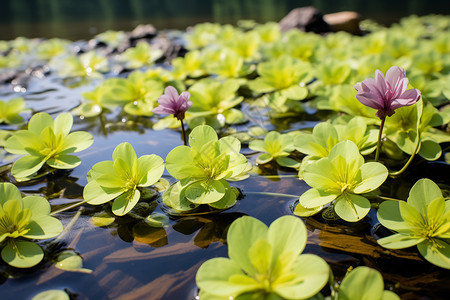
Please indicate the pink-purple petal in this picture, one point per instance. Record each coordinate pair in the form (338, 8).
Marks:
(171, 92)
(386, 93)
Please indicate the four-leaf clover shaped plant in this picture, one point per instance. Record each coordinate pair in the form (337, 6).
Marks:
(264, 263)
(341, 177)
(46, 141)
(22, 219)
(423, 220)
(121, 178)
(203, 171)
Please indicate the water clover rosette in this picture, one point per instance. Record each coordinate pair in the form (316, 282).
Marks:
(22, 219)
(264, 263)
(423, 220)
(9, 111)
(121, 178)
(276, 146)
(341, 177)
(46, 141)
(203, 170)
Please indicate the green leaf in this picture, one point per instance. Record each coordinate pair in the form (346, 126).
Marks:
(313, 198)
(423, 193)
(22, 254)
(149, 169)
(204, 192)
(400, 241)
(125, 152)
(9, 191)
(219, 283)
(302, 211)
(311, 275)
(228, 200)
(180, 164)
(77, 141)
(39, 122)
(264, 158)
(201, 135)
(437, 254)
(174, 198)
(260, 255)
(287, 162)
(64, 161)
(390, 217)
(258, 145)
(43, 227)
(295, 92)
(52, 295)
(22, 142)
(62, 124)
(430, 150)
(102, 219)
(125, 202)
(26, 166)
(351, 207)
(242, 234)
(287, 235)
(234, 116)
(69, 260)
(373, 175)
(321, 175)
(94, 194)
(111, 181)
(361, 283)
(100, 168)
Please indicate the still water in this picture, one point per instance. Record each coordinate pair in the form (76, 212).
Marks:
(83, 18)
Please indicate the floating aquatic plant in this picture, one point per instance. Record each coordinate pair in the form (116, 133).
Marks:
(89, 64)
(364, 283)
(122, 178)
(286, 75)
(137, 93)
(424, 220)
(9, 111)
(406, 126)
(214, 102)
(341, 177)
(325, 136)
(51, 48)
(22, 219)
(276, 146)
(46, 141)
(140, 56)
(264, 263)
(191, 65)
(203, 170)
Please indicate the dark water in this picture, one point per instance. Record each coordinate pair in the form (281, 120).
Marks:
(83, 18)
(162, 263)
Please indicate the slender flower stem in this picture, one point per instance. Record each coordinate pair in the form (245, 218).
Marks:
(380, 133)
(183, 132)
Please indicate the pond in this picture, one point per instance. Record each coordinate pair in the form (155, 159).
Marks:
(129, 258)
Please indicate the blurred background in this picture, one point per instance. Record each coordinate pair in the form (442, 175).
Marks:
(81, 19)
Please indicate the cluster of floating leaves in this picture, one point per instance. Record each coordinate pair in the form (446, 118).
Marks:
(240, 76)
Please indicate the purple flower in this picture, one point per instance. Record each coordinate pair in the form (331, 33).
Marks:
(386, 94)
(172, 103)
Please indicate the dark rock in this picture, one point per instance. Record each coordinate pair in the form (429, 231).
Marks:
(344, 21)
(307, 18)
(143, 32)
